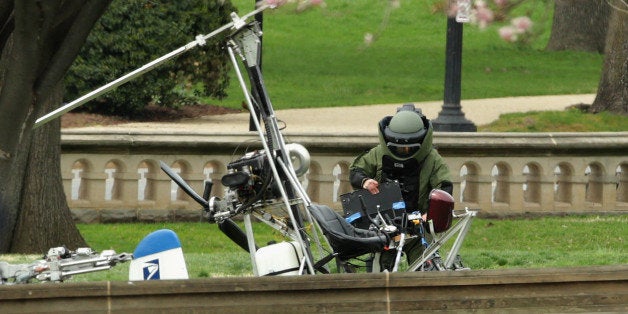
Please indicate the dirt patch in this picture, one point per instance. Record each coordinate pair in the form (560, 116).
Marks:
(151, 114)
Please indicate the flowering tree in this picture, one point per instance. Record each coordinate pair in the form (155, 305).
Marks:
(517, 29)
(589, 26)
(600, 26)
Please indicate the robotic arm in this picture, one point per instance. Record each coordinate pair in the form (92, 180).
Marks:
(60, 264)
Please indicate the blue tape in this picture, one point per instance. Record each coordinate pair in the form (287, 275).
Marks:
(399, 205)
(353, 217)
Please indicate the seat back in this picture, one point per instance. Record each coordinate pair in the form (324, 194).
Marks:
(345, 239)
(330, 221)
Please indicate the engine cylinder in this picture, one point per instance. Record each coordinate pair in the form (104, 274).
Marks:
(299, 157)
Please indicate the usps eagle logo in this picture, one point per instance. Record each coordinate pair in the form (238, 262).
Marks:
(151, 270)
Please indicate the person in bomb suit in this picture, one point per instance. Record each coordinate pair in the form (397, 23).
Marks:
(405, 153)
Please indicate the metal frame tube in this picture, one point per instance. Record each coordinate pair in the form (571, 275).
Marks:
(271, 156)
(437, 243)
(248, 227)
(458, 243)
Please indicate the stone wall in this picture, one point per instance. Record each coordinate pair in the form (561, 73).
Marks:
(115, 176)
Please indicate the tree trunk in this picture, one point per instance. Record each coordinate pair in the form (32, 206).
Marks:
(16, 115)
(39, 42)
(579, 25)
(44, 220)
(612, 92)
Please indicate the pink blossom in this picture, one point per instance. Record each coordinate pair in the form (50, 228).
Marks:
(501, 3)
(484, 16)
(453, 9)
(275, 3)
(480, 4)
(522, 23)
(508, 33)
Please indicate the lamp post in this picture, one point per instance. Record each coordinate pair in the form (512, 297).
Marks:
(259, 18)
(451, 118)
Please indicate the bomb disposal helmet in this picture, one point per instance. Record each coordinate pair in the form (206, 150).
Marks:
(405, 132)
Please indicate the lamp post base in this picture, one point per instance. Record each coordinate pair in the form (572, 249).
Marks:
(451, 119)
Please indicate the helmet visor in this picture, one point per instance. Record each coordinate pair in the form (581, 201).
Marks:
(403, 150)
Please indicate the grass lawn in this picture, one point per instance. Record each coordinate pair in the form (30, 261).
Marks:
(577, 240)
(571, 120)
(490, 244)
(318, 58)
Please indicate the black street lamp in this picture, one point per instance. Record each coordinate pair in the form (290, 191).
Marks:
(451, 118)
(259, 18)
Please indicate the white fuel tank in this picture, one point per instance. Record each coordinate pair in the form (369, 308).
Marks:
(279, 259)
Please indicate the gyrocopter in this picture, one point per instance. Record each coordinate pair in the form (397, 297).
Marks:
(265, 184)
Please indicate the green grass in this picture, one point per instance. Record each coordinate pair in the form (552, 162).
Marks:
(567, 241)
(571, 120)
(547, 242)
(577, 240)
(318, 58)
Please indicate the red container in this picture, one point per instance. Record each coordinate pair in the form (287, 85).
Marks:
(440, 210)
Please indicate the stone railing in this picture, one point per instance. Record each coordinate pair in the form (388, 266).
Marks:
(115, 176)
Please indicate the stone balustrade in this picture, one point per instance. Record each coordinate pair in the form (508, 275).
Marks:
(115, 176)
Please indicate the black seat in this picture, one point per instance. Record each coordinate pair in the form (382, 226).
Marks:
(346, 240)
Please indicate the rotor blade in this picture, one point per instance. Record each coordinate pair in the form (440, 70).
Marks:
(235, 233)
(199, 41)
(183, 185)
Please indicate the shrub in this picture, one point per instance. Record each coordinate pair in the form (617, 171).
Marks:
(134, 32)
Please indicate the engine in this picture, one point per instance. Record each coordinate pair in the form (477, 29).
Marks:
(250, 182)
(250, 177)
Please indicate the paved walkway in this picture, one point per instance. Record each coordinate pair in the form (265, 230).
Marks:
(357, 119)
